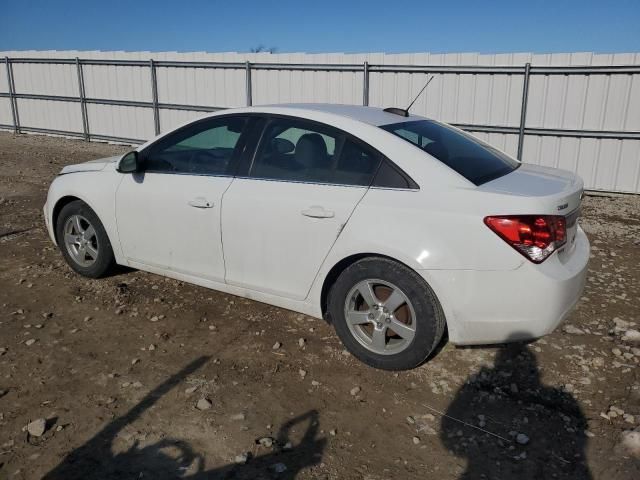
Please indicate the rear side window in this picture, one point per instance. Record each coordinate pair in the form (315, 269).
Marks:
(477, 162)
(355, 165)
(389, 176)
(298, 151)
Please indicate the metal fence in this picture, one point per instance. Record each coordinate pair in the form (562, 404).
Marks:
(525, 73)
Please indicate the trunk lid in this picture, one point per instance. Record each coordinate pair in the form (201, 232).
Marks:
(558, 191)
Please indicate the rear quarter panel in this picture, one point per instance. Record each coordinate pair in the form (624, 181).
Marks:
(429, 229)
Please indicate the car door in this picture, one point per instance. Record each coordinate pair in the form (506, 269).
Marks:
(169, 215)
(280, 220)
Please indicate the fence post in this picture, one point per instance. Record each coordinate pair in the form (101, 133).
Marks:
(523, 108)
(12, 98)
(154, 96)
(83, 103)
(365, 84)
(248, 83)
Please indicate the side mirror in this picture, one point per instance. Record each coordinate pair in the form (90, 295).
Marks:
(129, 163)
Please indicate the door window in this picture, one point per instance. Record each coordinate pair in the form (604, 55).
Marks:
(204, 148)
(299, 151)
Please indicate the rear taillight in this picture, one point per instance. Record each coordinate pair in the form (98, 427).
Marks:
(534, 236)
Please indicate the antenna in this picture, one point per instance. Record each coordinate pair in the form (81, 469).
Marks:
(419, 93)
(405, 112)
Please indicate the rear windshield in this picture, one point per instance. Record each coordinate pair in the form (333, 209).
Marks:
(477, 162)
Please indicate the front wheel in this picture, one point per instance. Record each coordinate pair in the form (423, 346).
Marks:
(83, 240)
(385, 314)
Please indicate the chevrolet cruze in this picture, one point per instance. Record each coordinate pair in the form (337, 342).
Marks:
(394, 227)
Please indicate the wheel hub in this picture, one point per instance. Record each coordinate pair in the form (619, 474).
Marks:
(380, 316)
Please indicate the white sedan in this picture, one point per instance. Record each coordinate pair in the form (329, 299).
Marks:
(391, 226)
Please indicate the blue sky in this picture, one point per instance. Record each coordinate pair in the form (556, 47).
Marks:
(323, 26)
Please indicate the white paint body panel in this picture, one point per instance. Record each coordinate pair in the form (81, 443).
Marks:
(158, 226)
(97, 189)
(255, 242)
(270, 245)
(527, 302)
(90, 166)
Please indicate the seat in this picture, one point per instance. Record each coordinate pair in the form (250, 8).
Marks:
(311, 151)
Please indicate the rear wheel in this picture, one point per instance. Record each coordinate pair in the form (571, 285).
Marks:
(385, 314)
(83, 240)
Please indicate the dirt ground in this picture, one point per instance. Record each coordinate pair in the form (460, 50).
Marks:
(118, 366)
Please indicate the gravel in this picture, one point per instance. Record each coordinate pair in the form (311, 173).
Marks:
(242, 458)
(570, 329)
(279, 468)
(630, 443)
(37, 427)
(204, 404)
(571, 378)
(631, 336)
(266, 442)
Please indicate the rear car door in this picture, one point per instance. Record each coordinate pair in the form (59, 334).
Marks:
(280, 220)
(169, 215)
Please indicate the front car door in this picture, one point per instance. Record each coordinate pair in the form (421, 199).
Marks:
(281, 219)
(169, 215)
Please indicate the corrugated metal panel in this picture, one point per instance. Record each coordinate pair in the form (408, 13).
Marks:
(118, 121)
(505, 142)
(46, 79)
(280, 86)
(5, 103)
(170, 119)
(5, 112)
(4, 83)
(579, 102)
(50, 114)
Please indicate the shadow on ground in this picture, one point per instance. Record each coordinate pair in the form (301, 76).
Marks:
(509, 398)
(174, 458)
(486, 424)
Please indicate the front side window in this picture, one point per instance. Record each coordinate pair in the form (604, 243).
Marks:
(476, 161)
(204, 148)
(298, 151)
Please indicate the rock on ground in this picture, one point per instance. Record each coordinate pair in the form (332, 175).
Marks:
(630, 442)
(37, 427)
(203, 404)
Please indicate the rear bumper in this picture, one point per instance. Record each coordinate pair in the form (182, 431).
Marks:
(484, 307)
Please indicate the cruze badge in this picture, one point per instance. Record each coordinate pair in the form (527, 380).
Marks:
(563, 206)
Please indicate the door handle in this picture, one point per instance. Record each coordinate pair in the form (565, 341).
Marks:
(200, 202)
(317, 211)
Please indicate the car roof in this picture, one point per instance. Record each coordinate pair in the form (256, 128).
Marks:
(371, 115)
(366, 116)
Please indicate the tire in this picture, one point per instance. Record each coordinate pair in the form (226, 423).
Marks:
(368, 331)
(92, 239)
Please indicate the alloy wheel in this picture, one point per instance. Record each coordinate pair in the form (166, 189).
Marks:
(81, 240)
(380, 316)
